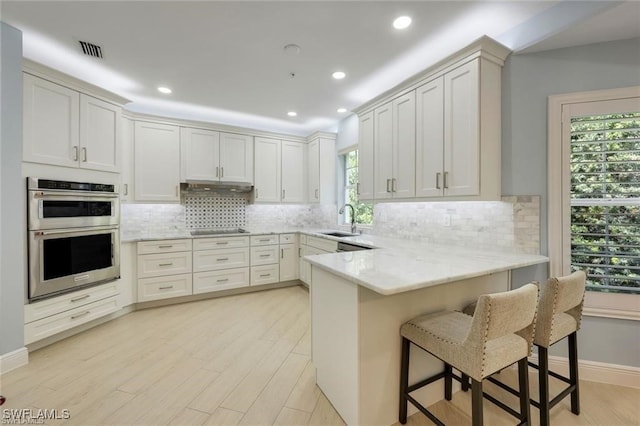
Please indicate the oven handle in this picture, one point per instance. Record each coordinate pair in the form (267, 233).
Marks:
(76, 231)
(76, 195)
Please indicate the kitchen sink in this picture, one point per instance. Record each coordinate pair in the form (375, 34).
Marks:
(338, 234)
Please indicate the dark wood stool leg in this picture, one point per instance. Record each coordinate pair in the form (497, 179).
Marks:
(523, 380)
(447, 381)
(476, 403)
(404, 380)
(465, 382)
(543, 385)
(573, 373)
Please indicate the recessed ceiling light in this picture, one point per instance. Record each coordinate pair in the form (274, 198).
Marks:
(292, 49)
(292, 113)
(338, 75)
(401, 22)
(164, 90)
(341, 110)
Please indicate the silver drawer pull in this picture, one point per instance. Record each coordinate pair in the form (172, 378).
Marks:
(265, 255)
(264, 240)
(265, 275)
(166, 246)
(165, 287)
(222, 242)
(77, 299)
(80, 315)
(222, 280)
(222, 259)
(165, 264)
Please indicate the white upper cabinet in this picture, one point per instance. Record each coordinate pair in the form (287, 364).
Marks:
(66, 128)
(438, 136)
(279, 171)
(126, 173)
(365, 157)
(267, 170)
(313, 171)
(458, 133)
(430, 138)
(394, 148)
(157, 162)
(208, 155)
(236, 158)
(200, 157)
(293, 172)
(321, 170)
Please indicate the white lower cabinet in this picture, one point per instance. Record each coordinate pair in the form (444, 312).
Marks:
(267, 274)
(220, 263)
(164, 269)
(55, 315)
(157, 288)
(288, 257)
(265, 262)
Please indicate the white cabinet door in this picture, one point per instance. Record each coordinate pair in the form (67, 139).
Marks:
(430, 138)
(383, 147)
(236, 158)
(365, 157)
(126, 161)
(461, 131)
(267, 170)
(293, 176)
(99, 134)
(157, 162)
(51, 134)
(288, 262)
(313, 172)
(200, 151)
(404, 146)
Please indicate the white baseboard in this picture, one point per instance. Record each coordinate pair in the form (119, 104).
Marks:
(12, 360)
(599, 372)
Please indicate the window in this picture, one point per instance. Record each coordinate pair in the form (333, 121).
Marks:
(364, 211)
(605, 200)
(594, 196)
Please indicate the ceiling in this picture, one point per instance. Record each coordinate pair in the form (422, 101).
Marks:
(225, 61)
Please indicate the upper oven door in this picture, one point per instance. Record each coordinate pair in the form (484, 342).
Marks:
(61, 209)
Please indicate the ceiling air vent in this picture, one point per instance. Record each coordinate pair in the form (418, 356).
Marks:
(91, 49)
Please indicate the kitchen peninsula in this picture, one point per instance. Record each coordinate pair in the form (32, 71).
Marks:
(360, 299)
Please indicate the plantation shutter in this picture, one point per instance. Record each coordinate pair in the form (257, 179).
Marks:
(605, 195)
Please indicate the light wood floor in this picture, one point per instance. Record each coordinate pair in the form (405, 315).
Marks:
(235, 360)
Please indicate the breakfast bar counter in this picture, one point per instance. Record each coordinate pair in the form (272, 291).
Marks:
(360, 299)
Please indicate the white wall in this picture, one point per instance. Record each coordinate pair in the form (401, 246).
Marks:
(527, 82)
(347, 132)
(12, 193)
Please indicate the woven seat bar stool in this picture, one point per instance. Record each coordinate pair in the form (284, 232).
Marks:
(499, 334)
(559, 316)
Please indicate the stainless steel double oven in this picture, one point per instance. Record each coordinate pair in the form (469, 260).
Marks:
(74, 235)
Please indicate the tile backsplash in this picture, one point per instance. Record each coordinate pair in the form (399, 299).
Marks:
(510, 224)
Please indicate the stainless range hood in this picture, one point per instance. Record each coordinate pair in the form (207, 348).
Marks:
(198, 186)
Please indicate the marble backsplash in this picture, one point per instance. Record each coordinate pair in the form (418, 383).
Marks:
(510, 224)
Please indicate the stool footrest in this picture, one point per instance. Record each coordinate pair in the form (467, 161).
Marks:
(424, 411)
(552, 373)
(502, 405)
(426, 382)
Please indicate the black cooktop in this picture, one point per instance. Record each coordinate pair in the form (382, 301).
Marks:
(218, 231)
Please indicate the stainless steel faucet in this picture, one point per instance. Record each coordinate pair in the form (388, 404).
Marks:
(353, 216)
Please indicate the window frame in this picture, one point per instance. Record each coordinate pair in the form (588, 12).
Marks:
(344, 187)
(609, 305)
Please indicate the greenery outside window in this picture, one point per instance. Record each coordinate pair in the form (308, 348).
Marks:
(364, 211)
(605, 200)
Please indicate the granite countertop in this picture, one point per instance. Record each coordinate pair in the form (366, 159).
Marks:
(400, 265)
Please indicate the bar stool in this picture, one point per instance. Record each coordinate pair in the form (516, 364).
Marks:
(559, 316)
(499, 334)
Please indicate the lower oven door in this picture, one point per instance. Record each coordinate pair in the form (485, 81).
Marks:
(63, 260)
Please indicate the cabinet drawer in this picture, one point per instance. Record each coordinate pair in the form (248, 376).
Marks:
(58, 323)
(303, 239)
(287, 238)
(204, 282)
(155, 265)
(265, 255)
(267, 274)
(56, 305)
(264, 240)
(164, 287)
(213, 260)
(322, 244)
(218, 243)
(164, 246)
